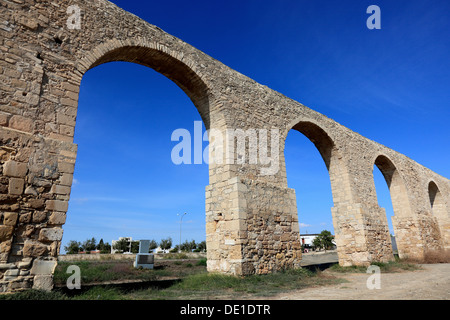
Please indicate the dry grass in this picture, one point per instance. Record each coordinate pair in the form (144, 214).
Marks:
(437, 256)
(432, 256)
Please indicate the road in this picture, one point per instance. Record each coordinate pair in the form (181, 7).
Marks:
(430, 283)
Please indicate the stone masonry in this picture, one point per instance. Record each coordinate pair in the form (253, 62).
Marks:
(251, 219)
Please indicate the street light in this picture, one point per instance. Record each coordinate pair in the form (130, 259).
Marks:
(181, 220)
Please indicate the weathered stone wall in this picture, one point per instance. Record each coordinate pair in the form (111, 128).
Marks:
(36, 175)
(251, 219)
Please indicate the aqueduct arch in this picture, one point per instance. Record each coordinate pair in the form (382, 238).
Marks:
(251, 219)
(399, 197)
(440, 211)
(157, 58)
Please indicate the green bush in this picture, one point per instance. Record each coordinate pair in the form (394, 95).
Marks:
(202, 262)
(34, 295)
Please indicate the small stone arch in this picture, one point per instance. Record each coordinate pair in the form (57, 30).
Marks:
(438, 206)
(330, 153)
(439, 210)
(396, 185)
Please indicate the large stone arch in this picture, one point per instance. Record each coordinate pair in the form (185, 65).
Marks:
(168, 62)
(339, 179)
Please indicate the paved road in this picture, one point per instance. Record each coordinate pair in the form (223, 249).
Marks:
(319, 258)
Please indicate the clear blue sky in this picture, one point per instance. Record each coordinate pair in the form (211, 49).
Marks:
(390, 85)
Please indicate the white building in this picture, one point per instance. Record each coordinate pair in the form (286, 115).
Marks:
(113, 242)
(307, 239)
(159, 250)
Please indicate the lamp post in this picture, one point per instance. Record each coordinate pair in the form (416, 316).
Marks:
(181, 220)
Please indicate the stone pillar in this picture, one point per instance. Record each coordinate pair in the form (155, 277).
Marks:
(251, 227)
(35, 180)
(361, 235)
(416, 235)
(444, 227)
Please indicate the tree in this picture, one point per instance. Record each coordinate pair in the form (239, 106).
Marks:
(134, 247)
(324, 240)
(201, 247)
(89, 245)
(153, 245)
(104, 247)
(73, 247)
(166, 244)
(317, 243)
(100, 244)
(188, 246)
(123, 245)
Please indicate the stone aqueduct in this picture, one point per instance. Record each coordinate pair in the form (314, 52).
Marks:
(251, 220)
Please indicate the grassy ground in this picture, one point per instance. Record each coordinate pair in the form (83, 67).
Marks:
(188, 279)
(185, 279)
(392, 266)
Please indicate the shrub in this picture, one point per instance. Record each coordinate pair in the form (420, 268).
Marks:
(436, 256)
(34, 295)
(202, 262)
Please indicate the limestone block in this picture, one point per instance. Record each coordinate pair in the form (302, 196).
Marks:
(51, 234)
(11, 274)
(16, 186)
(39, 216)
(3, 119)
(36, 203)
(59, 189)
(33, 248)
(5, 246)
(30, 191)
(57, 205)
(10, 218)
(66, 167)
(28, 22)
(25, 263)
(7, 266)
(43, 282)
(6, 232)
(15, 169)
(21, 123)
(57, 218)
(43, 267)
(66, 179)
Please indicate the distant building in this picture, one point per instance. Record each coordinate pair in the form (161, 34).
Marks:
(159, 250)
(307, 240)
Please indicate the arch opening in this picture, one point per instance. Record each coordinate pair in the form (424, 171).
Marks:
(135, 153)
(393, 199)
(316, 189)
(173, 68)
(397, 189)
(438, 206)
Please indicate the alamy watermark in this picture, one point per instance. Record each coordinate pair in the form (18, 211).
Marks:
(232, 146)
(374, 281)
(74, 20)
(73, 281)
(374, 21)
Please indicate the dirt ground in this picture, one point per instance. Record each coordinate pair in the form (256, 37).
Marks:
(431, 283)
